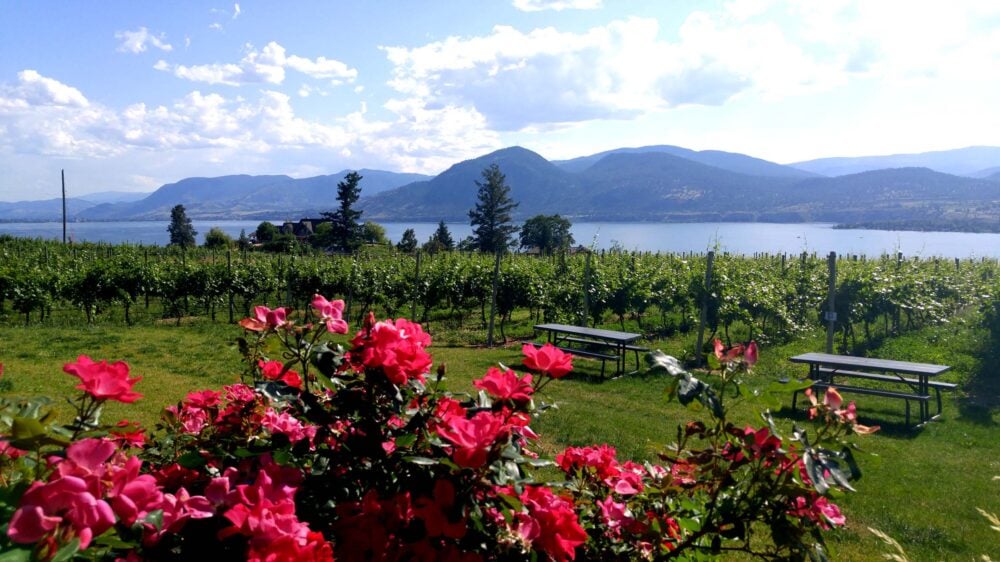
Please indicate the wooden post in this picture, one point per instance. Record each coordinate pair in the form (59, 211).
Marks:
(350, 292)
(586, 291)
(63, 174)
(416, 290)
(831, 315)
(229, 271)
(493, 300)
(703, 317)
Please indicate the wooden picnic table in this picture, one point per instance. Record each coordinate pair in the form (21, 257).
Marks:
(617, 343)
(825, 367)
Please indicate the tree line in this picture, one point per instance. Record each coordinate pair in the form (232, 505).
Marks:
(342, 230)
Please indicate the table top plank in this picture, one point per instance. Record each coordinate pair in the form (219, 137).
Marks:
(870, 363)
(609, 335)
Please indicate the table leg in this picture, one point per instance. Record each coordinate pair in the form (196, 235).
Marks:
(925, 407)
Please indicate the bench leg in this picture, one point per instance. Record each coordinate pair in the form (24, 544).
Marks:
(938, 392)
(795, 396)
(603, 363)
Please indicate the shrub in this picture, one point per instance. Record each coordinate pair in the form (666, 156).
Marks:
(363, 454)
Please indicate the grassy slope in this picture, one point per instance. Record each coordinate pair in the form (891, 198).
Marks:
(922, 487)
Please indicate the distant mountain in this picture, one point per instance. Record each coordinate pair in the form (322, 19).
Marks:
(731, 161)
(655, 183)
(114, 196)
(535, 183)
(988, 172)
(42, 211)
(962, 161)
(656, 186)
(243, 196)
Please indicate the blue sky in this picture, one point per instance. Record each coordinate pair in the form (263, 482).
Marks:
(131, 95)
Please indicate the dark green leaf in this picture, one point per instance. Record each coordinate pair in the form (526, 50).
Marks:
(67, 551)
(16, 555)
(192, 459)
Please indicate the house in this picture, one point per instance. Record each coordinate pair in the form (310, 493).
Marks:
(302, 229)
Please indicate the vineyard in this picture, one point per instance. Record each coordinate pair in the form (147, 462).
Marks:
(770, 298)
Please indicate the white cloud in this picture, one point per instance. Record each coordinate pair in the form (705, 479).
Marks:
(137, 41)
(35, 89)
(556, 5)
(322, 67)
(228, 74)
(266, 65)
(236, 10)
(216, 26)
(41, 116)
(767, 50)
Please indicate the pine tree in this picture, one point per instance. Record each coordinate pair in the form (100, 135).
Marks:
(345, 229)
(408, 243)
(182, 232)
(491, 219)
(443, 237)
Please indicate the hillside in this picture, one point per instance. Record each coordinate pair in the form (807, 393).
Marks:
(244, 196)
(653, 183)
(535, 183)
(730, 161)
(962, 161)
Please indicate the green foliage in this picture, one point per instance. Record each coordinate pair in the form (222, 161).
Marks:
(408, 242)
(217, 239)
(491, 217)
(440, 241)
(374, 233)
(345, 232)
(182, 233)
(266, 231)
(548, 233)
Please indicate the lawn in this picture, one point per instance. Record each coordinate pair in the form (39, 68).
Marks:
(920, 486)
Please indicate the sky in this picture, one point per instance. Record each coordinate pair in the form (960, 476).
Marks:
(130, 95)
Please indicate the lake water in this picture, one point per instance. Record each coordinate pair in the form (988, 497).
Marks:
(738, 238)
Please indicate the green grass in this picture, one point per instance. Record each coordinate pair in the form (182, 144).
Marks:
(919, 486)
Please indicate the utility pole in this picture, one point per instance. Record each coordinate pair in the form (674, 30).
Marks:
(63, 174)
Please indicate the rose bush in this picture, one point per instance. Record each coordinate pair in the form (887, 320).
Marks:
(362, 454)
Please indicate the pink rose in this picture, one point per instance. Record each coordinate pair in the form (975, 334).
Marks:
(104, 381)
(330, 313)
(547, 359)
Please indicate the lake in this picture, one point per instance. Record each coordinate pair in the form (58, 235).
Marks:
(738, 238)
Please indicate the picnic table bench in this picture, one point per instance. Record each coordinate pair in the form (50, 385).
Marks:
(604, 345)
(914, 378)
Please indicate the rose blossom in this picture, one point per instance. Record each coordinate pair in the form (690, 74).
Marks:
(102, 380)
(330, 313)
(547, 359)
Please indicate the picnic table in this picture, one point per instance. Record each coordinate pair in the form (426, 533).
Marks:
(612, 345)
(913, 380)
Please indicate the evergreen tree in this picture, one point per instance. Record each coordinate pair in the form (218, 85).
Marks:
(182, 232)
(408, 243)
(345, 229)
(491, 220)
(548, 233)
(440, 241)
(243, 242)
(443, 236)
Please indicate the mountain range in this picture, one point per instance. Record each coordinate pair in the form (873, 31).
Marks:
(652, 183)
